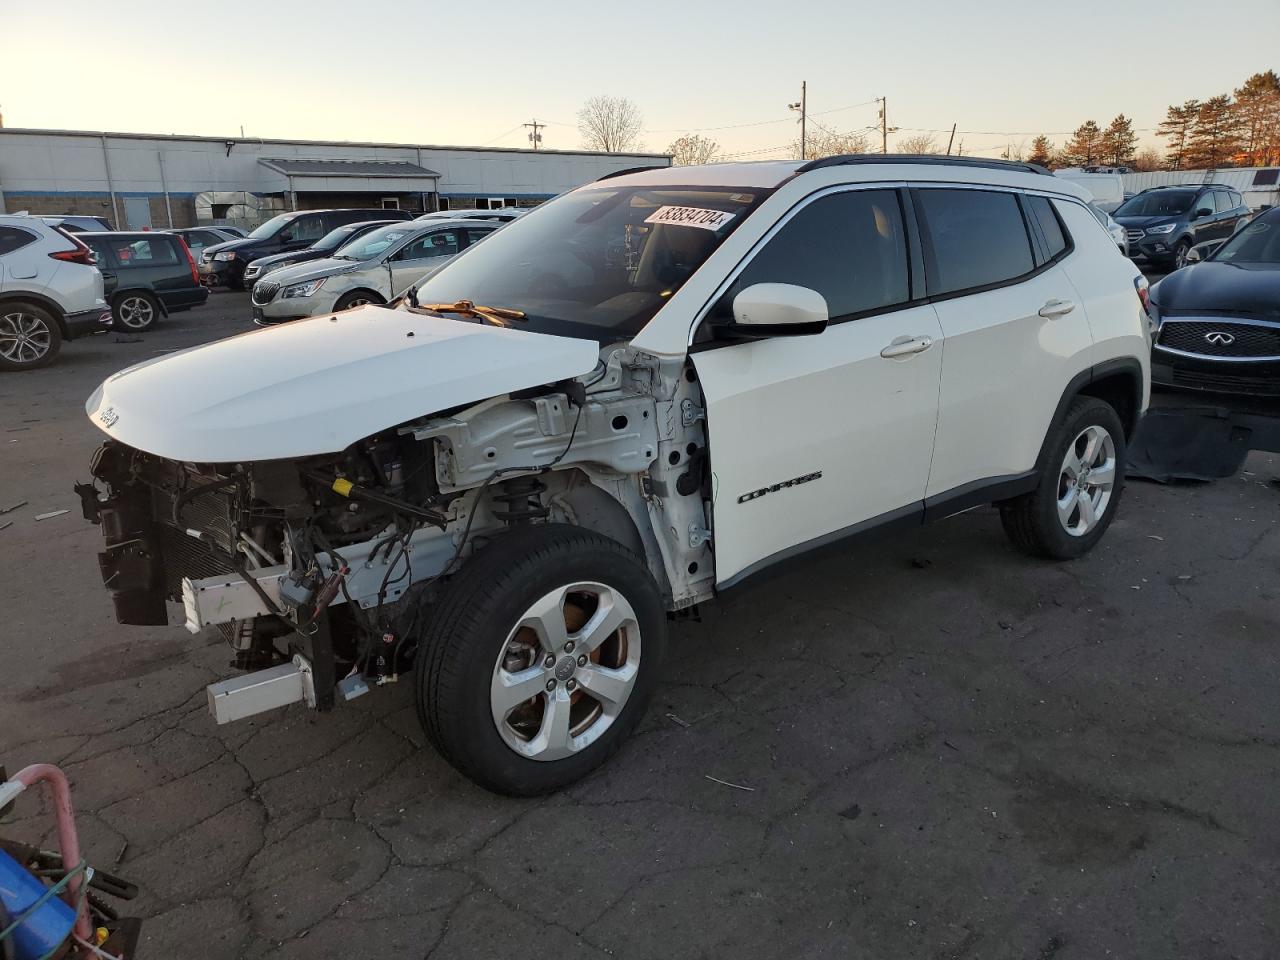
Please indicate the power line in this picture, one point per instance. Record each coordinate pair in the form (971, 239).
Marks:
(501, 135)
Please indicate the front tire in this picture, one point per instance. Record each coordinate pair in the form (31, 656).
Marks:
(539, 659)
(1180, 254)
(135, 311)
(1078, 492)
(357, 298)
(29, 336)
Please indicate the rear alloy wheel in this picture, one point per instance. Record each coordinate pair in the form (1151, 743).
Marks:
(1079, 487)
(539, 658)
(136, 311)
(29, 336)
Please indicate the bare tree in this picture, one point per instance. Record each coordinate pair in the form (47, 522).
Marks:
(1014, 151)
(920, 143)
(692, 149)
(610, 124)
(1147, 159)
(822, 142)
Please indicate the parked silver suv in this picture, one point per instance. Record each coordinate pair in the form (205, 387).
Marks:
(50, 291)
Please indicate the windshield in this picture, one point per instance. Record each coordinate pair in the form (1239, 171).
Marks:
(1259, 242)
(596, 263)
(374, 242)
(334, 238)
(1157, 203)
(271, 227)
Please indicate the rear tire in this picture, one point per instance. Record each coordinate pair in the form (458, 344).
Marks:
(135, 310)
(521, 684)
(1079, 488)
(29, 336)
(357, 298)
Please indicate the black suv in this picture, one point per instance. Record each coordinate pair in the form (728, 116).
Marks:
(145, 275)
(224, 263)
(1163, 223)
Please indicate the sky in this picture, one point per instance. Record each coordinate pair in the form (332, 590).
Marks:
(472, 73)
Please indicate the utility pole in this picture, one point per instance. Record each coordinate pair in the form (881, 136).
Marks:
(535, 137)
(803, 107)
(952, 140)
(884, 124)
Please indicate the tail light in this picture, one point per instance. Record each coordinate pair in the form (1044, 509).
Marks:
(81, 253)
(1143, 289)
(191, 261)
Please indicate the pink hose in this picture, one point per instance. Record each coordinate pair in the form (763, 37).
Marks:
(68, 839)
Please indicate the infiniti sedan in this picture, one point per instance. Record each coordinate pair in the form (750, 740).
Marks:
(1218, 321)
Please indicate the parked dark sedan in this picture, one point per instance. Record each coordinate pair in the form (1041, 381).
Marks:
(1218, 321)
(145, 275)
(223, 264)
(326, 246)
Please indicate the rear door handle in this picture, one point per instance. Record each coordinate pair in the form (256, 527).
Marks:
(906, 346)
(1056, 308)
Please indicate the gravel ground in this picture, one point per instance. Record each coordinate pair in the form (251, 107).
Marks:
(931, 747)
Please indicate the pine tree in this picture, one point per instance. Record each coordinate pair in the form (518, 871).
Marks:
(1177, 127)
(1119, 142)
(1082, 150)
(1257, 108)
(1041, 151)
(1216, 139)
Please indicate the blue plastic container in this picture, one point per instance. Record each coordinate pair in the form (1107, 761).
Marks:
(45, 929)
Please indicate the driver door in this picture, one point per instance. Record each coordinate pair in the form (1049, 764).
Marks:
(813, 438)
(421, 257)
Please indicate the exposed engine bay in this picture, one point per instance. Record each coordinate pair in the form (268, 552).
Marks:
(319, 570)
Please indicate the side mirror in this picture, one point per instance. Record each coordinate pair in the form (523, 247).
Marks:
(1195, 255)
(1203, 212)
(775, 310)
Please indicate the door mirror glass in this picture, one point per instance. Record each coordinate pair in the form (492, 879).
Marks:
(775, 310)
(1194, 255)
(1203, 212)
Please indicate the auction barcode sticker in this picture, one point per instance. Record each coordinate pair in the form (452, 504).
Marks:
(690, 217)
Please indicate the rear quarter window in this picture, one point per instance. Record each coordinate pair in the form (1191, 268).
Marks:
(151, 252)
(1052, 232)
(976, 238)
(11, 239)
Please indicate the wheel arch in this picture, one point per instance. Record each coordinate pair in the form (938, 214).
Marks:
(25, 296)
(361, 289)
(1117, 382)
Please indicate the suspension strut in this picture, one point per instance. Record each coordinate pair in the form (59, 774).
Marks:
(522, 499)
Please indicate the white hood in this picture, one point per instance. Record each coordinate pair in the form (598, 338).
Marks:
(318, 385)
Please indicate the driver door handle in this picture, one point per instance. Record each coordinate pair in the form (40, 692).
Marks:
(906, 346)
(1054, 309)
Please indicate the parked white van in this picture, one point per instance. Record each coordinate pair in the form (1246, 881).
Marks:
(1107, 189)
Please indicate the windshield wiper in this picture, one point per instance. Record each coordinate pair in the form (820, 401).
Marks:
(498, 316)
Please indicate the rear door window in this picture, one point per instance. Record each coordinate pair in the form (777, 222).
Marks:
(850, 247)
(475, 234)
(976, 238)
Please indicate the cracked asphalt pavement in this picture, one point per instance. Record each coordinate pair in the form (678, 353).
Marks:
(923, 747)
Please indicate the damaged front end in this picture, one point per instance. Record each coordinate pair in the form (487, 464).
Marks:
(321, 571)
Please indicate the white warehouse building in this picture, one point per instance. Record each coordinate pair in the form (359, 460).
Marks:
(148, 180)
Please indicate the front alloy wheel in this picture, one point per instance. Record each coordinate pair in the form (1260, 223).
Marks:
(532, 669)
(566, 672)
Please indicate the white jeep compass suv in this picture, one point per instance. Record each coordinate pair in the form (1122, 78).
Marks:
(639, 395)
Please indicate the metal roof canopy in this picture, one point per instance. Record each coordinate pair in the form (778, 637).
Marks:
(352, 176)
(348, 168)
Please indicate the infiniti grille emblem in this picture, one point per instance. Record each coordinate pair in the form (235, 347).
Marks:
(1219, 338)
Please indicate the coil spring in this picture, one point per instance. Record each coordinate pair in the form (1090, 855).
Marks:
(522, 499)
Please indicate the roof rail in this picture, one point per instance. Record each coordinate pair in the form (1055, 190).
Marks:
(623, 173)
(854, 158)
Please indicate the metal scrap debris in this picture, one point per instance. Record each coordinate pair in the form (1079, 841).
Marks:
(14, 506)
(736, 786)
(51, 514)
